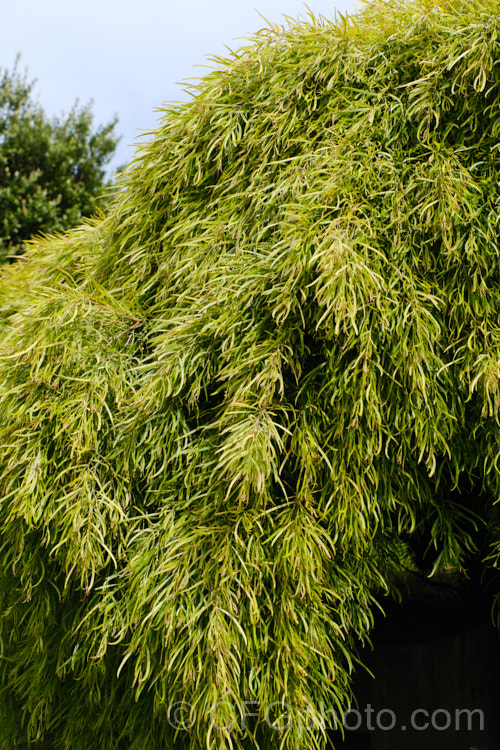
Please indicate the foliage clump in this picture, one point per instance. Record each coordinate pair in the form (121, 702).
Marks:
(52, 170)
(230, 407)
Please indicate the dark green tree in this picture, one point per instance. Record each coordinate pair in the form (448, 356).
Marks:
(237, 405)
(51, 169)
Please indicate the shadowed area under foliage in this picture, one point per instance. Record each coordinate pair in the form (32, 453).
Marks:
(236, 407)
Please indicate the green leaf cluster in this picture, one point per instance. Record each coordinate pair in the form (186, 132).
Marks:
(52, 171)
(229, 407)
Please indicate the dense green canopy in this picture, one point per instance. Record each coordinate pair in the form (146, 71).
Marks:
(52, 170)
(228, 406)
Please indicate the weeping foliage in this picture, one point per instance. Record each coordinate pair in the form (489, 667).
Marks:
(228, 406)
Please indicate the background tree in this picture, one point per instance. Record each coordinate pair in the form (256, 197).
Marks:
(51, 169)
(230, 407)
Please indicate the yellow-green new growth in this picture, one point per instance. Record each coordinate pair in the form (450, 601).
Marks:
(225, 404)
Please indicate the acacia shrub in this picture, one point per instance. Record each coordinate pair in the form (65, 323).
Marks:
(230, 407)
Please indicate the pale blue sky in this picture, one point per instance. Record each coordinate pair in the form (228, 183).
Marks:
(130, 56)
